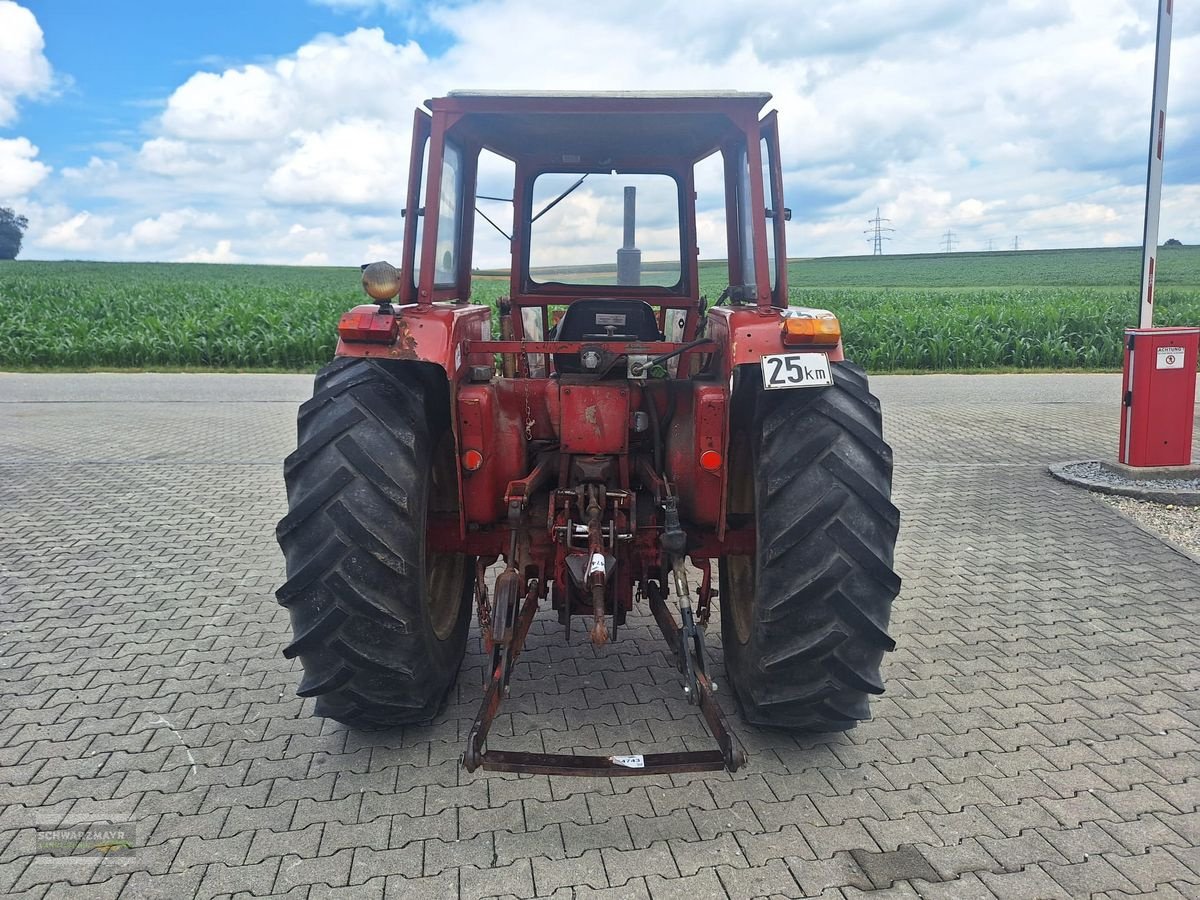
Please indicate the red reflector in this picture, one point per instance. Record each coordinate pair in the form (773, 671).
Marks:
(367, 324)
(472, 460)
(710, 460)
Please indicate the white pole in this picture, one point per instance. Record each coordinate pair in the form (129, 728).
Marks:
(1158, 125)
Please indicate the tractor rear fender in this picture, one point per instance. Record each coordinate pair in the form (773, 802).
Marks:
(432, 333)
(746, 334)
(695, 453)
(490, 423)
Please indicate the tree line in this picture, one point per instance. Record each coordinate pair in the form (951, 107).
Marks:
(12, 229)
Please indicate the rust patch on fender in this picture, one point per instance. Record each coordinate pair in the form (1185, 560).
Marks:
(406, 345)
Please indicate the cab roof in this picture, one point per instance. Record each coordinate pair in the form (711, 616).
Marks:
(579, 126)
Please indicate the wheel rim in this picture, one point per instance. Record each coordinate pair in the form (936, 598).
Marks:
(444, 576)
(739, 587)
(445, 573)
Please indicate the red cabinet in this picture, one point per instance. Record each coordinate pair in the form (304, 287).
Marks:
(1159, 390)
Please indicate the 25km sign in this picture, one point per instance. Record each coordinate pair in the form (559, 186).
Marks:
(796, 370)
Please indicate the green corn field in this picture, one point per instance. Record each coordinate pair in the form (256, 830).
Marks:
(1060, 309)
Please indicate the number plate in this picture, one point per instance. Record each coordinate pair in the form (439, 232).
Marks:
(796, 370)
(630, 762)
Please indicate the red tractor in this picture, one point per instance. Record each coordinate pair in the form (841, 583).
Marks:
(599, 430)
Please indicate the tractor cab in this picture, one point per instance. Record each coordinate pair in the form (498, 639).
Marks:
(593, 197)
(592, 177)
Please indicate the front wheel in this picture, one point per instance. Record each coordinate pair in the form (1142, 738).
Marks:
(804, 620)
(379, 621)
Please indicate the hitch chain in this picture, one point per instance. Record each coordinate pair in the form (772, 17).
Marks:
(529, 420)
(691, 638)
(483, 605)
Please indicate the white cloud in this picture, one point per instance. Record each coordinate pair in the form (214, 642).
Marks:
(360, 74)
(168, 227)
(97, 171)
(970, 209)
(1084, 214)
(19, 171)
(389, 252)
(1014, 116)
(237, 105)
(82, 232)
(166, 156)
(221, 253)
(24, 73)
(24, 69)
(347, 164)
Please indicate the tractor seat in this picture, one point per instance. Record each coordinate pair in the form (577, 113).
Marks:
(591, 320)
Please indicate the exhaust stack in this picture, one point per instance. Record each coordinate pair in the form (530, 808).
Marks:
(629, 257)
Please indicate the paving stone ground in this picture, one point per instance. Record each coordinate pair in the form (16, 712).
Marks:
(1040, 736)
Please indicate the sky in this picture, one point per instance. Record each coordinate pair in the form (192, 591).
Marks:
(277, 132)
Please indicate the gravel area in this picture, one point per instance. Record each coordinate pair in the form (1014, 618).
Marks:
(1102, 474)
(1178, 524)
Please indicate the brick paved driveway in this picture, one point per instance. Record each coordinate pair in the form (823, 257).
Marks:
(1040, 736)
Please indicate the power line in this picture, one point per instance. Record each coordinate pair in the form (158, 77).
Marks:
(949, 241)
(990, 243)
(877, 233)
(1016, 242)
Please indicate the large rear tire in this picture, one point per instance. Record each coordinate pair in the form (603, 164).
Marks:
(804, 620)
(379, 623)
